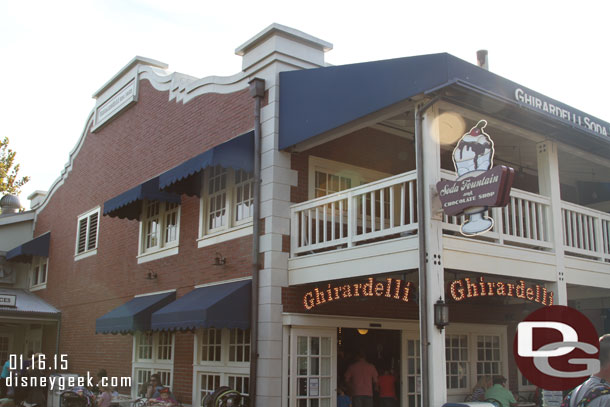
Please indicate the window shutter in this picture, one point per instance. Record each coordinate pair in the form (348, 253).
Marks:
(92, 232)
(82, 235)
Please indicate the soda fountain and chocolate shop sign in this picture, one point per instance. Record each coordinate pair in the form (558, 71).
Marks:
(478, 186)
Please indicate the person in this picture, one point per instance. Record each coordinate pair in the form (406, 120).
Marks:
(387, 389)
(500, 393)
(361, 376)
(5, 373)
(343, 399)
(478, 392)
(595, 391)
(152, 387)
(36, 394)
(105, 397)
(166, 397)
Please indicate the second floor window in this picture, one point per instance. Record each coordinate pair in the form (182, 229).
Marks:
(160, 225)
(38, 276)
(227, 199)
(87, 231)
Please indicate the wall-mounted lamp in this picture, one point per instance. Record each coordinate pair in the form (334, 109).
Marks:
(151, 275)
(219, 260)
(363, 331)
(441, 314)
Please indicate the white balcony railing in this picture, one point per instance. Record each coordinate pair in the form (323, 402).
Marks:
(586, 232)
(380, 210)
(386, 209)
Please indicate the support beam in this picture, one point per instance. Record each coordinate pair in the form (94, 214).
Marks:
(548, 184)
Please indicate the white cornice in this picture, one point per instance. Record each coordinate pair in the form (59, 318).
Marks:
(137, 60)
(183, 88)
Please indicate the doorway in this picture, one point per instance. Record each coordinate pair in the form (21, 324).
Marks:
(381, 348)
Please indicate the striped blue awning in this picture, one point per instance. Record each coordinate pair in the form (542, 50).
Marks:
(237, 153)
(134, 315)
(128, 205)
(35, 247)
(219, 306)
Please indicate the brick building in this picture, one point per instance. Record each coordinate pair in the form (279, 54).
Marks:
(149, 259)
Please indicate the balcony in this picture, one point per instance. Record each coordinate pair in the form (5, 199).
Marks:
(373, 229)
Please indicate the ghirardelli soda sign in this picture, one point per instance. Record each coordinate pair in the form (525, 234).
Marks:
(478, 186)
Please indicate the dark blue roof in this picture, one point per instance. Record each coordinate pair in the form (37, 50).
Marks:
(236, 153)
(35, 247)
(134, 315)
(128, 204)
(315, 101)
(219, 306)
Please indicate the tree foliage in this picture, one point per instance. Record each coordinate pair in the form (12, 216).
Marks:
(9, 171)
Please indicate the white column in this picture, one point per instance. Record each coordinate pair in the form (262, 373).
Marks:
(434, 248)
(276, 180)
(548, 184)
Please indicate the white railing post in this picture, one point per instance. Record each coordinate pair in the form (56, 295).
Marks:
(351, 219)
(294, 231)
(599, 240)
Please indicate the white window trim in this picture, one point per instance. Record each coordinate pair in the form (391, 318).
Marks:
(358, 175)
(37, 261)
(472, 331)
(163, 250)
(152, 364)
(522, 388)
(233, 229)
(224, 368)
(87, 252)
(225, 235)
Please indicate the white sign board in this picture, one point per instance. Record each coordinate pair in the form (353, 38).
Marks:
(551, 398)
(123, 98)
(8, 300)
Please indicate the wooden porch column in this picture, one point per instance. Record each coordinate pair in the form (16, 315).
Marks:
(434, 250)
(548, 184)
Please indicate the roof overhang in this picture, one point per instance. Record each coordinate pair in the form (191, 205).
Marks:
(315, 102)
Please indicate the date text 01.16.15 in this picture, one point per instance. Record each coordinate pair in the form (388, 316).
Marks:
(38, 361)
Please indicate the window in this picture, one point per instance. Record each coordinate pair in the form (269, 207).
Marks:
(327, 176)
(86, 233)
(38, 276)
(327, 183)
(159, 230)
(153, 353)
(489, 362)
(456, 352)
(222, 359)
(473, 351)
(226, 204)
(4, 346)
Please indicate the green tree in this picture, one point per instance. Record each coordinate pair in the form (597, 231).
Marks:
(9, 181)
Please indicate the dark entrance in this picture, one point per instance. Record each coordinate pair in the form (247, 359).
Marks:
(381, 348)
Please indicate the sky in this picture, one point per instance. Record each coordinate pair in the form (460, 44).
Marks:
(55, 54)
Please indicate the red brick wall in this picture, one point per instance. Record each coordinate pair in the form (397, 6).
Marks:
(150, 137)
(366, 148)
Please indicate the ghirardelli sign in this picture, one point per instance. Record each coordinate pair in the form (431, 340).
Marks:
(478, 186)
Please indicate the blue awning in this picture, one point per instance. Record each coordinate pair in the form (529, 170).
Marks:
(219, 306)
(129, 204)
(317, 101)
(134, 315)
(35, 247)
(237, 153)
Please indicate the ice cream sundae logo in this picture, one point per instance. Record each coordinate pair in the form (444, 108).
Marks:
(474, 151)
(478, 186)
